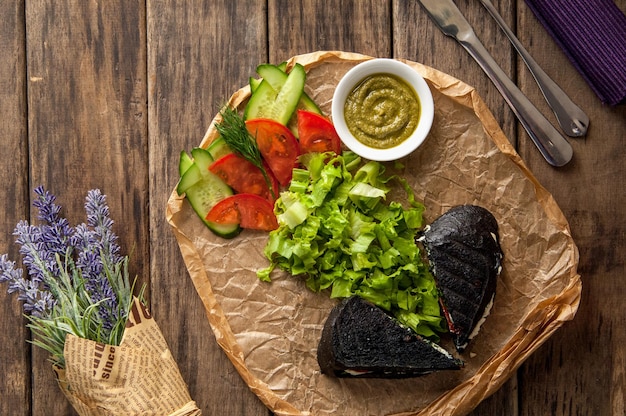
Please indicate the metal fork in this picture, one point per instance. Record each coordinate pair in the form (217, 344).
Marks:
(570, 117)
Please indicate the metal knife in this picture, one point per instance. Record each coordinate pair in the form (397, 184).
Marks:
(551, 144)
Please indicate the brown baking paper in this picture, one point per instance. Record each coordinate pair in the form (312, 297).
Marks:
(138, 377)
(270, 331)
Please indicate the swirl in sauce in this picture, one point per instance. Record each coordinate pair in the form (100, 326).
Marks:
(382, 111)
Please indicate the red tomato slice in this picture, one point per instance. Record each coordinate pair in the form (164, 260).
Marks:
(277, 145)
(244, 177)
(317, 133)
(248, 210)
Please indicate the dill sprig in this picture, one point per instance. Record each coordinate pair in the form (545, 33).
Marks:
(236, 135)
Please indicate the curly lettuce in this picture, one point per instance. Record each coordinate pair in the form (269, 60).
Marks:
(337, 230)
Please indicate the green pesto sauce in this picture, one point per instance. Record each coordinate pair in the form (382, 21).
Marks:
(382, 111)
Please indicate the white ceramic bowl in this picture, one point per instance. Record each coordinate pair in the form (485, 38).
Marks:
(383, 66)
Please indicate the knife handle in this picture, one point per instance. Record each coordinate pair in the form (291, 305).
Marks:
(551, 144)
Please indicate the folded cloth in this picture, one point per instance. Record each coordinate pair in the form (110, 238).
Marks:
(592, 33)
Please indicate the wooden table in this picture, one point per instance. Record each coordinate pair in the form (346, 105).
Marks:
(106, 94)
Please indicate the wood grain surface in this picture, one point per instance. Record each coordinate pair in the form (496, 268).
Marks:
(106, 95)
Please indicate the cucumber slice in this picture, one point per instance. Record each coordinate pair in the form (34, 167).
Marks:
(272, 74)
(196, 171)
(289, 95)
(184, 163)
(261, 101)
(204, 195)
(219, 148)
(279, 105)
(254, 84)
(203, 189)
(306, 103)
(277, 77)
(192, 176)
(224, 230)
(202, 158)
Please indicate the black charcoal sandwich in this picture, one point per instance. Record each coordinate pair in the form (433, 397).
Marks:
(464, 253)
(359, 339)
(465, 257)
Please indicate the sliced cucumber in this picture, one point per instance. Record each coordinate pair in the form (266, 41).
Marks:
(204, 195)
(289, 95)
(184, 163)
(202, 158)
(277, 104)
(203, 189)
(197, 170)
(254, 84)
(218, 148)
(272, 74)
(192, 176)
(261, 101)
(224, 230)
(306, 103)
(276, 77)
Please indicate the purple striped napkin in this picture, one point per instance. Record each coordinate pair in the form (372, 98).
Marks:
(592, 33)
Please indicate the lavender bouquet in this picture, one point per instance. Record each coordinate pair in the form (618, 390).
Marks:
(82, 309)
(77, 280)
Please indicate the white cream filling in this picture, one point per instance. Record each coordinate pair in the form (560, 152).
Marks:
(441, 349)
(483, 319)
(422, 237)
(355, 372)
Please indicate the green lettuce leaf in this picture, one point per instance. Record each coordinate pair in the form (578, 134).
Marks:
(338, 232)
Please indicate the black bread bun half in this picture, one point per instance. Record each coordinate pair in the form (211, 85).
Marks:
(359, 339)
(463, 249)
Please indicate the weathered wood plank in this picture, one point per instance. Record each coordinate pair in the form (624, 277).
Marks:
(15, 383)
(199, 55)
(297, 27)
(581, 370)
(87, 127)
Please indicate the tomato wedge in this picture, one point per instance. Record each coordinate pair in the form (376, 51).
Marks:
(244, 177)
(278, 146)
(250, 211)
(317, 133)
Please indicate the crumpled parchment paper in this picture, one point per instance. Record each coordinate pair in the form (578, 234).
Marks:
(270, 331)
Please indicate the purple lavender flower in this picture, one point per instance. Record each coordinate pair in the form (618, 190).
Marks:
(31, 248)
(90, 247)
(71, 273)
(98, 218)
(36, 302)
(55, 233)
(97, 255)
(40, 245)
